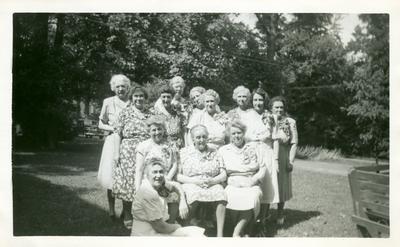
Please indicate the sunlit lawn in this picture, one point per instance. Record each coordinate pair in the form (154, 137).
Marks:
(56, 193)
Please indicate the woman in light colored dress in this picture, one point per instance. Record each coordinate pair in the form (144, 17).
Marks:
(150, 210)
(260, 123)
(245, 172)
(213, 120)
(202, 173)
(194, 107)
(174, 120)
(110, 110)
(287, 137)
(242, 96)
(158, 146)
(131, 128)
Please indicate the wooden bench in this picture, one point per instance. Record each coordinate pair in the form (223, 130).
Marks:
(369, 187)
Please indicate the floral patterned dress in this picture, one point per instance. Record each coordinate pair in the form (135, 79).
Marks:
(174, 125)
(201, 165)
(149, 149)
(132, 128)
(286, 135)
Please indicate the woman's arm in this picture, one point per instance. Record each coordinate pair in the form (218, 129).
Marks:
(161, 226)
(183, 208)
(256, 179)
(220, 178)
(117, 143)
(105, 126)
(174, 168)
(139, 169)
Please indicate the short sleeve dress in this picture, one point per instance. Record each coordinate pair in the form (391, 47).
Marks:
(202, 165)
(132, 128)
(286, 135)
(149, 206)
(110, 111)
(149, 149)
(242, 163)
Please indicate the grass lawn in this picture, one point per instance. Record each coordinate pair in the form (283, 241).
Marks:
(56, 193)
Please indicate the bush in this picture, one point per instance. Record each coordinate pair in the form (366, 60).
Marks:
(318, 153)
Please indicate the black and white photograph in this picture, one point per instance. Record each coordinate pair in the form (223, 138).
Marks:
(250, 124)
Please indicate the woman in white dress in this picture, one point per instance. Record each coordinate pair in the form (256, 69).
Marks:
(150, 210)
(260, 129)
(110, 110)
(194, 107)
(245, 173)
(210, 117)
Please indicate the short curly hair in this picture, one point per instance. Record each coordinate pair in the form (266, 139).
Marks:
(240, 89)
(165, 89)
(212, 93)
(277, 99)
(117, 78)
(199, 89)
(158, 120)
(237, 124)
(138, 89)
(198, 126)
(176, 80)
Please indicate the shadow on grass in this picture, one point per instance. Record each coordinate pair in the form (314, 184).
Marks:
(70, 158)
(293, 217)
(45, 209)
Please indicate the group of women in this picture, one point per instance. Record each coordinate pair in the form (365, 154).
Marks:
(179, 159)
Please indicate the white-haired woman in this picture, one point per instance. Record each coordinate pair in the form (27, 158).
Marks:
(241, 95)
(177, 83)
(245, 172)
(210, 117)
(110, 110)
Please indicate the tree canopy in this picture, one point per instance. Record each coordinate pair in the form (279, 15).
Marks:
(60, 59)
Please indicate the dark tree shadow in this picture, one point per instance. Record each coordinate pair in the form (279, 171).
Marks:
(70, 158)
(45, 209)
(293, 217)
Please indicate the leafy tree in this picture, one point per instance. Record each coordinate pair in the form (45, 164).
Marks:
(369, 86)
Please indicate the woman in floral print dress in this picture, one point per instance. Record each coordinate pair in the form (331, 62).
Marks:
(173, 119)
(202, 174)
(132, 129)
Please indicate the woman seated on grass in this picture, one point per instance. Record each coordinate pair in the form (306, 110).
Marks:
(150, 209)
(202, 173)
